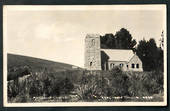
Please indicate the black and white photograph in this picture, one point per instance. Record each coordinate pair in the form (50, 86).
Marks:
(84, 55)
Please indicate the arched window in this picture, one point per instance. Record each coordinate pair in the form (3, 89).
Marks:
(93, 42)
(133, 65)
(137, 65)
(127, 66)
(91, 63)
(121, 65)
(112, 65)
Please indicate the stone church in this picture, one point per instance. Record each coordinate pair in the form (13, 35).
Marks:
(106, 59)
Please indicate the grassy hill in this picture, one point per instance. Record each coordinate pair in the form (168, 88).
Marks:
(20, 64)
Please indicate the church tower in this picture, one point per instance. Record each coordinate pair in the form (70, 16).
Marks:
(92, 52)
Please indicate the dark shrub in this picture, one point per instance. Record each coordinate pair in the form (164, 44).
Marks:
(65, 86)
(136, 87)
(119, 82)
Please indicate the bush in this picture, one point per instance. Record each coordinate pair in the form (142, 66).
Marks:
(95, 86)
(38, 84)
(145, 83)
(119, 82)
(65, 86)
(154, 82)
(136, 87)
(88, 89)
(88, 85)
(19, 72)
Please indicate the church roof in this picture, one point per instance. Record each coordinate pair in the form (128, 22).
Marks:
(119, 54)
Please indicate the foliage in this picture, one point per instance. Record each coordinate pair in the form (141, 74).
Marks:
(93, 87)
(15, 72)
(119, 82)
(116, 83)
(65, 86)
(137, 87)
(87, 85)
(108, 41)
(150, 54)
(121, 40)
(39, 84)
(145, 83)
(124, 39)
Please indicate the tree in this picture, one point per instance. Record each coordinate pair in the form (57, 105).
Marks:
(119, 82)
(150, 55)
(124, 39)
(160, 60)
(142, 52)
(66, 86)
(108, 41)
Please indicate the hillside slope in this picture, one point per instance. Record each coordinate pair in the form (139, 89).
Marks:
(18, 62)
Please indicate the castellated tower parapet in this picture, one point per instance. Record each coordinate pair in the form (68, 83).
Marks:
(92, 52)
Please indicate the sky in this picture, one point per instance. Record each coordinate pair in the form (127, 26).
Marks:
(57, 32)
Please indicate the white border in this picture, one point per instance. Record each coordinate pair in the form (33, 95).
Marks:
(78, 7)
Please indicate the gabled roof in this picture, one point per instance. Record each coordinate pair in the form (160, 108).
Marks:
(119, 54)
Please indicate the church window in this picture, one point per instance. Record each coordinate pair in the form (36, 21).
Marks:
(91, 63)
(137, 65)
(112, 65)
(93, 42)
(133, 65)
(121, 65)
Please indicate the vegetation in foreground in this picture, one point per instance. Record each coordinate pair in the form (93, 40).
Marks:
(87, 86)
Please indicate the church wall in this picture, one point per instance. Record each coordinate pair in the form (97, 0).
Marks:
(122, 64)
(92, 52)
(127, 66)
(135, 60)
